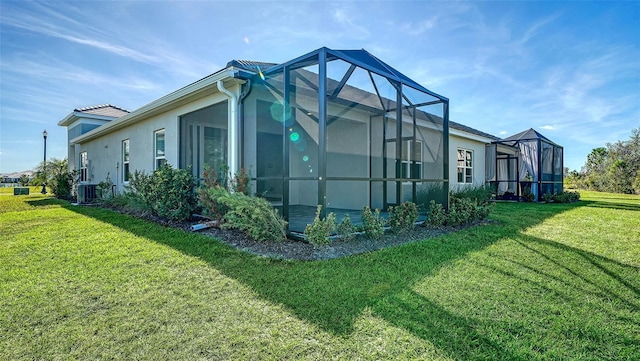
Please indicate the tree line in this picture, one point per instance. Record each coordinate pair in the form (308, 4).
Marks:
(614, 168)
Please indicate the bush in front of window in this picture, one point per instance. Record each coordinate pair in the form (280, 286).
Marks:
(465, 206)
(236, 209)
(167, 192)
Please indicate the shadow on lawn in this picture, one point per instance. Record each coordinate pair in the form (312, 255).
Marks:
(622, 204)
(47, 201)
(333, 294)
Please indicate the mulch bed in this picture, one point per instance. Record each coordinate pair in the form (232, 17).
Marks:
(303, 251)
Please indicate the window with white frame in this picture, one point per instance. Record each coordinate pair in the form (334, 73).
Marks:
(125, 161)
(465, 166)
(84, 165)
(411, 159)
(159, 153)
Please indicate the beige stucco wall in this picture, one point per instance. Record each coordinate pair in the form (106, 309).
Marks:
(473, 143)
(105, 152)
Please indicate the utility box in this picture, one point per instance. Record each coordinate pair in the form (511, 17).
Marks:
(20, 191)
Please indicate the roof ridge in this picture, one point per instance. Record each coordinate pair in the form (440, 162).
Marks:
(100, 106)
(250, 64)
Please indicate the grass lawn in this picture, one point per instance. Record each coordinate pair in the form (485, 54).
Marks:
(544, 282)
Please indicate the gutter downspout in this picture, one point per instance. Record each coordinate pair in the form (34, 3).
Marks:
(243, 94)
(232, 147)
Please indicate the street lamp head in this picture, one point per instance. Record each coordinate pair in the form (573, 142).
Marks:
(44, 134)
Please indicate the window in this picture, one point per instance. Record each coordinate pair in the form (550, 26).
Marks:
(411, 159)
(84, 165)
(159, 154)
(125, 160)
(465, 166)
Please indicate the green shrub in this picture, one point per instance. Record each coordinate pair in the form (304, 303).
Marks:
(547, 197)
(461, 211)
(318, 232)
(436, 215)
(62, 184)
(566, 197)
(139, 184)
(241, 182)
(210, 199)
(372, 223)
(255, 216)
(465, 206)
(346, 229)
(429, 192)
(484, 209)
(210, 194)
(214, 187)
(167, 192)
(105, 189)
(481, 194)
(403, 218)
(129, 202)
(528, 196)
(575, 195)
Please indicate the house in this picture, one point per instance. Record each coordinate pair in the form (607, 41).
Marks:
(339, 128)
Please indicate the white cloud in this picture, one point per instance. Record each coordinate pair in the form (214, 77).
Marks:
(421, 27)
(548, 127)
(44, 27)
(344, 17)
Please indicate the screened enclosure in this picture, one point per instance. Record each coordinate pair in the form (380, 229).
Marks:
(525, 163)
(342, 129)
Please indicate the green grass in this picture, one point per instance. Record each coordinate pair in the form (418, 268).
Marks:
(544, 282)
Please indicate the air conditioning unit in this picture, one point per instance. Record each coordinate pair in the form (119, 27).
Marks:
(86, 193)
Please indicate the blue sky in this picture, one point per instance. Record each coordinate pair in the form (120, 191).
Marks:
(570, 70)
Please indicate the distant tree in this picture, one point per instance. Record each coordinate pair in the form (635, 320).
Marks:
(54, 167)
(594, 169)
(24, 180)
(615, 168)
(574, 180)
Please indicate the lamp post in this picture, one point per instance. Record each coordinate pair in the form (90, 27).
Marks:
(44, 164)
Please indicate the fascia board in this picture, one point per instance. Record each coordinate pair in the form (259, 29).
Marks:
(74, 116)
(157, 106)
(463, 134)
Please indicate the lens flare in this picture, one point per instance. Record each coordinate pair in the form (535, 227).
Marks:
(260, 73)
(294, 137)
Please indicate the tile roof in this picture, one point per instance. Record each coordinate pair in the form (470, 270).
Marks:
(250, 64)
(107, 110)
(467, 129)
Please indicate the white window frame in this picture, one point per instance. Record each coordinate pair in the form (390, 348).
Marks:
(160, 157)
(465, 166)
(84, 167)
(408, 155)
(126, 160)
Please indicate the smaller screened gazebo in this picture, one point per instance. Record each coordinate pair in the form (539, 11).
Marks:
(527, 163)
